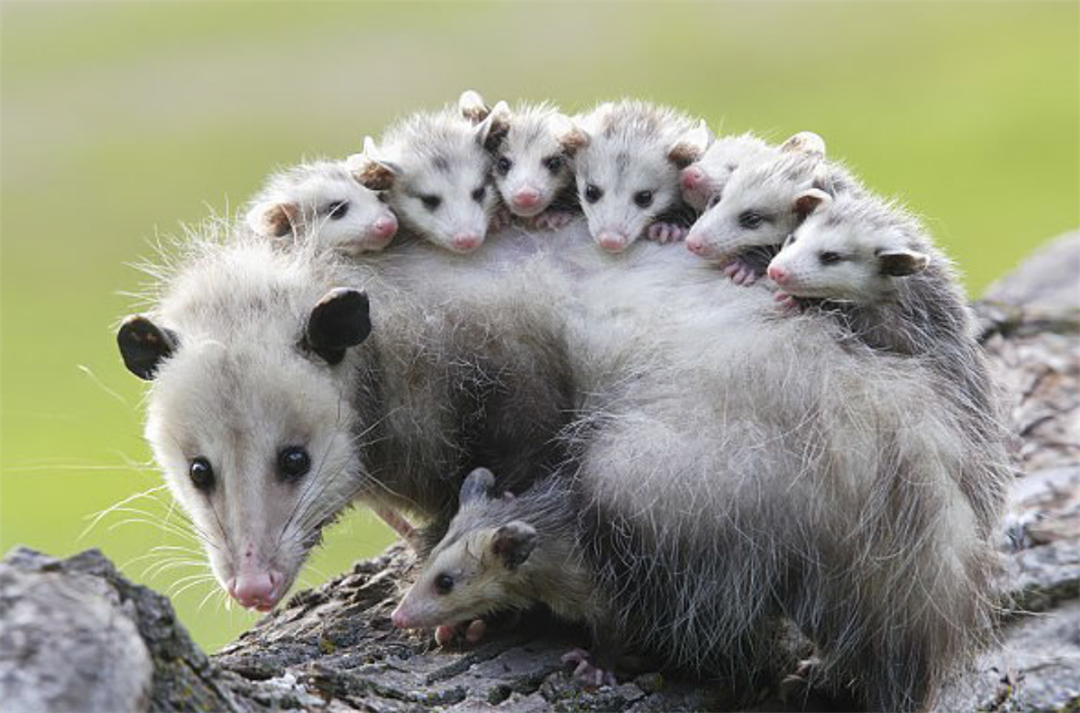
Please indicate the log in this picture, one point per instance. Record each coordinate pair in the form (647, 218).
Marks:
(77, 635)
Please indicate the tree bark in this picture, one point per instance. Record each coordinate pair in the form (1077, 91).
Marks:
(78, 636)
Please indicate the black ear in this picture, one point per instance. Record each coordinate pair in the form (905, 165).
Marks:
(901, 263)
(513, 543)
(339, 321)
(477, 485)
(143, 345)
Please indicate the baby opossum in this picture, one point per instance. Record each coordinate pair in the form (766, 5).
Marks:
(762, 203)
(324, 202)
(433, 168)
(628, 167)
(533, 146)
(703, 181)
(871, 266)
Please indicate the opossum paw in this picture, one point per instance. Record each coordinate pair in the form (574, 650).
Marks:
(787, 302)
(590, 675)
(472, 632)
(501, 219)
(741, 273)
(665, 233)
(552, 220)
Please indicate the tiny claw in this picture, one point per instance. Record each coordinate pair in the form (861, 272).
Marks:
(475, 631)
(445, 634)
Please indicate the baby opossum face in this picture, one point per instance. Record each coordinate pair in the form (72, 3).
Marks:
(843, 262)
(703, 181)
(533, 152)
(327, 204)
(255, 444)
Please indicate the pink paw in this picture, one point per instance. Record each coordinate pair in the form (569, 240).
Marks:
(787, 302)
(590, 675)
(472, 632)
(741, 273)
(665, 233)
(552, 220)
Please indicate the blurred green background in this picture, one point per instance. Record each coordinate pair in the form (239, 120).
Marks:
(119, 120)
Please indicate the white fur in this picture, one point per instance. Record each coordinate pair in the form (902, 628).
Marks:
(536, 134)
(718, 164)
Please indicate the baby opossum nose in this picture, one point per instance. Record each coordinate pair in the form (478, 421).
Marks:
(612, 241)
(691, 177)
(466, 241)
(526, 198)
(256, 590)
(385, 227)
(778, 274)
(695, 244)
(399, 619)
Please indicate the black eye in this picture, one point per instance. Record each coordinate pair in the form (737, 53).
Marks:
(749, 219)
(444, 583)
(643, 199)
(789, 239)
(829, 258)
(713, 201)
(431, 202)
(293, 463)
(337, 210)
(593, 193)
(478, 194)
(202, 474)
(553, 163)
(503, 165)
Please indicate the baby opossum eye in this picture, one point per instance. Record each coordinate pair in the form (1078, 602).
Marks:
(444, 583)
(431, 202)
(478, 194)
(503, 165)
(337, 210)
(593, 193)
(553, 163)
(750, 220)
(829, 258)
(643, 199)
(294, 462)
(202, 474)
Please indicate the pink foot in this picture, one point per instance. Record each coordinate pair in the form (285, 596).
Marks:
(787, 302)
(665, 233)
(552, 220)
(741, 273)
(473, 632)
(590, 675)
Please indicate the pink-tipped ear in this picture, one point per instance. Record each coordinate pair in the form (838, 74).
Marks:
(901, 263)
(691, 146)
(371, 170)
(492, 130)
(806, 142)
(472, 106)
(809, 200)
(273, 219)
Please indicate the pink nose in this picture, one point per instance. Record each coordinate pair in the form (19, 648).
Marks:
(611, 241)
(399, 619)
(256, 590)
(694, 244)
(385, 227)
(691, 177)
(778, 274)
(526, 198)
(466, 241)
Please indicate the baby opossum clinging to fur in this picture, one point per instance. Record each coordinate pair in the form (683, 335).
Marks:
(628, 171)
(703, 181)
(324, 202)
(434, 170)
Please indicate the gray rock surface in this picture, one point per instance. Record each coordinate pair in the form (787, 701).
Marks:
(332, 648)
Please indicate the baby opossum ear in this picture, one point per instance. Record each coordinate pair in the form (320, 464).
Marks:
(476, 487)
(805, 142)
(691, 146)
(568, 134)
(273, 219)
(901, 263)
(513, 543)
(143, 345)
(340, 320)
(492, 130)
(809, 200)
(472, 106)
(372, 171)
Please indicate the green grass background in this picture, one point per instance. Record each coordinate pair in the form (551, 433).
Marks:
(119, 120)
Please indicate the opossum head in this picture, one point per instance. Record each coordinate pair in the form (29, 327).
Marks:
(628, 168)
(703, 181)
(533, 148)
(323, 202)
(479, 566)
(249, 413)
(763, 202)
(841, 253)
(435, 170)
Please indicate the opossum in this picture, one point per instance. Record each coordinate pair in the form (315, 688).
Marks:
(871, 266)
(279, 397)
(533, 146)
(434, 170)
(627, 171)
(763, 202)
(323, 201)
(703, 181)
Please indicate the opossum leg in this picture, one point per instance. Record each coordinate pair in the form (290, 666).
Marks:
(398, 524)
(665, 232)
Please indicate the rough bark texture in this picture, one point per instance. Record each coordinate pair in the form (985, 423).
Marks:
(78, 636)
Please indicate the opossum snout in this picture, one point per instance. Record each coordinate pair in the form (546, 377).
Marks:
(385, 227)
(691, 177)
(695, 244)
(778, 274)
(612, 241)
(256, 590)
(526, 197)
(466, 242)
(399, 619)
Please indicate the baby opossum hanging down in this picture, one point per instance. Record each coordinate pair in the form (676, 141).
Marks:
(764, 200)
(703, 181)
(628, 171)
(533, 146)
(434, 170)
(323, 202)
(872, 267)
